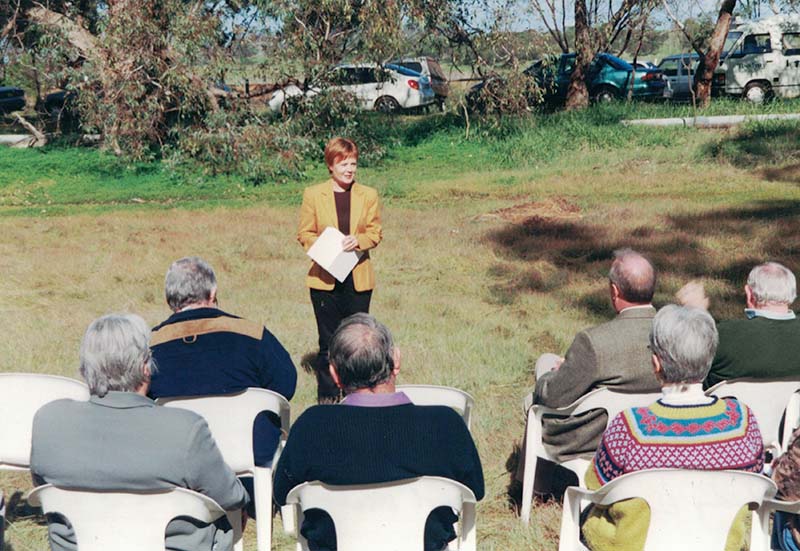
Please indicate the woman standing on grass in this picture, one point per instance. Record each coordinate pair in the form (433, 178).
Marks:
(354, 209)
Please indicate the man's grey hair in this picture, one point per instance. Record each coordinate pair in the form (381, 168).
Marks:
(772, 283)
(115, 354)
(634, 276)
(189, 280)
(362, 351)
(684, 340)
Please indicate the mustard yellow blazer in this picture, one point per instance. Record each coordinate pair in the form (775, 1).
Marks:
(319, 211)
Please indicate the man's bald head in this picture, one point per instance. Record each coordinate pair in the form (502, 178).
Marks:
(634, 276)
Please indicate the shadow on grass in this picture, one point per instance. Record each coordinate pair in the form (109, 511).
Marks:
(763, 143)
(557, 252)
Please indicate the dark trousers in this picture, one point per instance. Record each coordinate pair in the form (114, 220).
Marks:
(330, 308)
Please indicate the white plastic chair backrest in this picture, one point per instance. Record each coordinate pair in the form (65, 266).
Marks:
(21, 396)
(608, 399)
(382, 517)
(230, 418)
(434, 395)
(689, 509)
(766, 398)
(123, 521)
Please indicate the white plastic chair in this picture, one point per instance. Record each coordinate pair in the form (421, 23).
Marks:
(433, 395)
(21, 396)
(230, 418)
(382, 517)
(612, 401)
(689, 510)
(123, 521)
(767, 508)
(768, 399)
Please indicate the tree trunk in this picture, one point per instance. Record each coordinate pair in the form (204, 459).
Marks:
(709, 62)
(577, 93)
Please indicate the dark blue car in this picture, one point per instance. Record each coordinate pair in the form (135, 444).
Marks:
(11, 99)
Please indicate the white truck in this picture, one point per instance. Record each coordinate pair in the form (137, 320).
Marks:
(761, 59)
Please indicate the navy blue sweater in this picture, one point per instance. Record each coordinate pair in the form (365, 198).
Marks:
(206, 351)
(341, 444)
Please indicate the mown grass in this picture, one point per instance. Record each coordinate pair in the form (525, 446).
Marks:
(496, 249)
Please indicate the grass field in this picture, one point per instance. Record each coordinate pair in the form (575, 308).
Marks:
(495, 250)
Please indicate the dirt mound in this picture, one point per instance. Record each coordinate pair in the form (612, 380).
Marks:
(552, 207)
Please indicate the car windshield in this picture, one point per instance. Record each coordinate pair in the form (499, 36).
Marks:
(732, 37)
(615, 62)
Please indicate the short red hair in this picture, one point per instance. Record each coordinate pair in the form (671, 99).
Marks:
(339, 148)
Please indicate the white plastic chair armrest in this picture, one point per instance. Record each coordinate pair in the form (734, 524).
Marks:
(468, 536)
(569, 539)
(771, 505)
(289, 519)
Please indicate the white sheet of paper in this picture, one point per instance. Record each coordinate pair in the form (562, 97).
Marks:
(327, 252)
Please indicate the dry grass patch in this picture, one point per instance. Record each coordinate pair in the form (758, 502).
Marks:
(474, 285)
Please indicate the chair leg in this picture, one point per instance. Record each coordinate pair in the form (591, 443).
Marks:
(569, 538)
(262, 483)
(528, 473)
(468, 537)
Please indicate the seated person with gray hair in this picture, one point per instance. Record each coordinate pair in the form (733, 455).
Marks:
(202, 350)
(374, 435)
(765, 345)
(715, 433)
(120, 440)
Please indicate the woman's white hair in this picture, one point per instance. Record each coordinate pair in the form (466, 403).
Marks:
(684, 340)
(115, 354)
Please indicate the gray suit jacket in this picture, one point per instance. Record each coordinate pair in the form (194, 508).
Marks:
(613, 354)
(123, 441)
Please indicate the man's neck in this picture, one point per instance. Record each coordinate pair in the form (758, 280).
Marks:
(622, 304)
(384, 388)
(774, 308)
(196, 305)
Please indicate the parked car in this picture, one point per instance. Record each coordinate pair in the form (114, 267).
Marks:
(388, 88)
(54, 102)
(761, 59)
(11, 99)
(608, 78)
(679, 71)
(429, 67)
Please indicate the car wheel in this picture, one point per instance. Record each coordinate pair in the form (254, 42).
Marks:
(387, 104)
(756, 92)
(604, 94)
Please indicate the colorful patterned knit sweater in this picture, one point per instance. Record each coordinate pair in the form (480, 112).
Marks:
(720, 435)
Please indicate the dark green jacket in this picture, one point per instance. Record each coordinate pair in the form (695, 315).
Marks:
(759, 348)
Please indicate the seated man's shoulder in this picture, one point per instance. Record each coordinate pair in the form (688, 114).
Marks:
(212, 325)
(611, 329)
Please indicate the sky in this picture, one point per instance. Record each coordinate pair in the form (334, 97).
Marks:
(521, 17)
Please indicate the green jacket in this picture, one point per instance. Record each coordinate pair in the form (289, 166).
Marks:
(759, 348)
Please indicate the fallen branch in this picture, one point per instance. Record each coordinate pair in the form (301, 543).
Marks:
(40, 139)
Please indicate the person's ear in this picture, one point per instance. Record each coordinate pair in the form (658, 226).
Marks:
(335, 376)
(615, 294)
(212, 296)
(657, 368)
(750, 298)
(397, 358)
